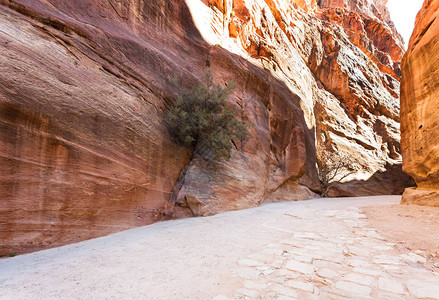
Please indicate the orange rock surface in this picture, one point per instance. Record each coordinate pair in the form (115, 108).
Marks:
(419, 103)
(84, 86)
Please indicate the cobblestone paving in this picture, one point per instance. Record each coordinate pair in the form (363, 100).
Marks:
(358, 264)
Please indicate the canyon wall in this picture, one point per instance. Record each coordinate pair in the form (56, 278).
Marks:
(419, 103)
(84, 87)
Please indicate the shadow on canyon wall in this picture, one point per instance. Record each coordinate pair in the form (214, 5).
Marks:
(390, 182)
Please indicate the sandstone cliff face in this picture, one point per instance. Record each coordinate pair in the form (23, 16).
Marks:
(84, 86)
(419, 102)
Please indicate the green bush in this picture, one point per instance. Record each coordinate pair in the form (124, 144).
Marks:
(201, 118)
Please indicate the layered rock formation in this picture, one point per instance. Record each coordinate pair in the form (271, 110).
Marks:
(419, 103)
(84, 86)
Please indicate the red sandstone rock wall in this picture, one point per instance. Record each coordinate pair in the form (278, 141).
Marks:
(419, 103)
(83, 89)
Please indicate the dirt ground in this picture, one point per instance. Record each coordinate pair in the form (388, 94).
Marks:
(411, 226)
(317, 249)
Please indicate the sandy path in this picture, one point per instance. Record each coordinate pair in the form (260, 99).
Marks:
(201, 258)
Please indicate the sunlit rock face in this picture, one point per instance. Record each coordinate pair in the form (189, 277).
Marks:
(84, 86)
(419, 103)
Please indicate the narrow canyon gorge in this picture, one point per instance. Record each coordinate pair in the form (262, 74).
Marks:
(84, 88)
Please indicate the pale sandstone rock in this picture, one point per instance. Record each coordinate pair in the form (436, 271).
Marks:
(284, 291)
(327, 273)
(423, 289)
(353, 288)
(299, 285)
(360, 279)
(300, 267)
(390, 285)
(289, 274)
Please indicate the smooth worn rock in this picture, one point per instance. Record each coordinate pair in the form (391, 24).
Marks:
(419, 102)
(300, 267)
(390, 285)
(299, 285)
(423, 289)
(353, 288)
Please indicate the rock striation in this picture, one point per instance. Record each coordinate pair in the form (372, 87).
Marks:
(84, 86)
(419, 102)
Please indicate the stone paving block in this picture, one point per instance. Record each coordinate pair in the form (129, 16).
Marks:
(279, 279)
(387, 260)
(390, 285)
(306, 235)
(423, 289)
(358, 263)
(374, 234)
(383, 248)
(341, 268)
(353, 288)
(289, 274)
(324, 245)
(304, 259)
(299, 251)
(413, 257)
(358, 251)
(313, 248)
(284, 291)
(327, 273)
(299, 285)
(367, 271)
(268, 272)
(273, 251)
(277, 263)
(389, 296)
(360, 279)
(336, 258)
(222, 297)
(299, 267)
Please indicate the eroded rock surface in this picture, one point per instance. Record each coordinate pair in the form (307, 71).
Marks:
(419, 102)
(84, 86)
